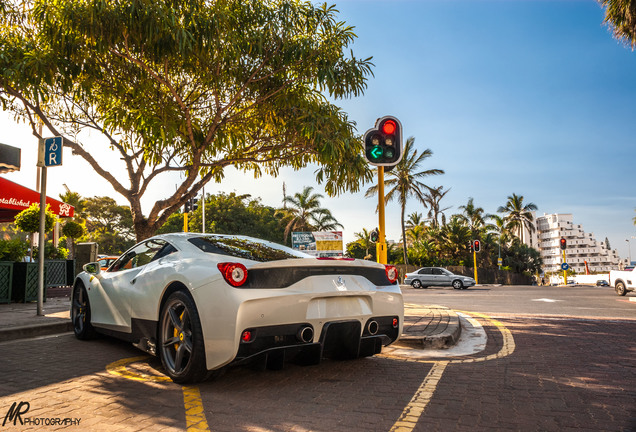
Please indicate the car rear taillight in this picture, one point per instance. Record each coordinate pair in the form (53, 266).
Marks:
(391, 273)
(234, 273)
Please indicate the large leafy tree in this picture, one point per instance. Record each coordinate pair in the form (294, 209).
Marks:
(108, 224)
(404, 182)
(237, 214)
(518, 215)
(190, 87)
(620, 15)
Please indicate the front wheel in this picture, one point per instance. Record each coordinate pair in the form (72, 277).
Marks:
(620, 289)
(81, 314)
(416, 284)
(181, 345)
(457, 284)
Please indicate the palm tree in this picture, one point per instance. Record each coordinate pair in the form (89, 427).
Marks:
(473, 216)
(403, 181)
(518, 215)
(303, 207)
(415, 219)
(432, 199)
(324, 220)
(365, 238)
(620, 15)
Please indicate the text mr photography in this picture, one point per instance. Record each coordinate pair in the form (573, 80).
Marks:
(18, 409)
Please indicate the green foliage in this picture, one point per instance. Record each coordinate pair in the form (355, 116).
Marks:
(13, 250)
(235, 214)
(620, 15)
(51, 251)
(108, 224)
(28, 220)
(73, 230)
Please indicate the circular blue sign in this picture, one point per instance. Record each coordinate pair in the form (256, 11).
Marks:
(565, 266)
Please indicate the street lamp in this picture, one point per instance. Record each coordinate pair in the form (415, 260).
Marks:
(629, 248)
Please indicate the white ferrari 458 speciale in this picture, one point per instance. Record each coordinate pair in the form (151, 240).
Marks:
(204, 301)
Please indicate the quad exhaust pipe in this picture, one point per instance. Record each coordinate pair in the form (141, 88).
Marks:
(305, 334)
(373, 327)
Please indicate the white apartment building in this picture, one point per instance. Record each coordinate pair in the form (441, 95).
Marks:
(581, 246)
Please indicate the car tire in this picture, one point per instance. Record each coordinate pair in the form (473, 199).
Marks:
(416, 284)
(457, 284)
(181, 346)
(81, 314)
(620, 289)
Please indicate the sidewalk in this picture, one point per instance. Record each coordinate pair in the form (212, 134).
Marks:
(431, 327)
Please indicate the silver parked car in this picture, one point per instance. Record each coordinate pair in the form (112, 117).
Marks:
(437, 276)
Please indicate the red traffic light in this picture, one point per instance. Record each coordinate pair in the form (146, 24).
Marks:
(389, 127)
(477, 245)
(563, 243)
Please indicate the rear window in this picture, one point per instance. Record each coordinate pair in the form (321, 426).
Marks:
(251, 249)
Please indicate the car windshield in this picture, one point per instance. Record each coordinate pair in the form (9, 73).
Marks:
(251, 249)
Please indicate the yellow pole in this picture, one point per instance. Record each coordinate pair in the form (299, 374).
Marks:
(185, 222)
(380, 247)
(475, 263)
(565, 272)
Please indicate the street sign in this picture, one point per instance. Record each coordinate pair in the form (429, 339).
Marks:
(565, 266)
(53, 151)
(499, 261)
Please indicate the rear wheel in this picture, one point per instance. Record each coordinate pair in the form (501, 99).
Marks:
(416, 284)
(181, 345)
(81, 314)
(620, 289)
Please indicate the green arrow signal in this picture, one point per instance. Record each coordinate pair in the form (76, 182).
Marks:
(376, 152)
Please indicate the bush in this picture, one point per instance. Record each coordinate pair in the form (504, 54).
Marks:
(13, 250)
(28, 220)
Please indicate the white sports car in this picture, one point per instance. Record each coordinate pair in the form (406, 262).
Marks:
(203, 301)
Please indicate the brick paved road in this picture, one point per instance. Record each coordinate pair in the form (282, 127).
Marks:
(562, 375)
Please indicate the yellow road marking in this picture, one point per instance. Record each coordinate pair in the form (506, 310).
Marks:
(415, 408)
(194, 411)
(119, 368)
(422, 397)
(195, 415)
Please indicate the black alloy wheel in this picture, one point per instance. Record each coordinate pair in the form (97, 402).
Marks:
(181, 346)
(81, 314)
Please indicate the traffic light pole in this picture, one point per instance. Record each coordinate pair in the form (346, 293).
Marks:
(565, 272)
(380, 247)
(185, 221)
(475, 266)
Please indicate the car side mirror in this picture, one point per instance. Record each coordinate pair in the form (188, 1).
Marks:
(92, 268)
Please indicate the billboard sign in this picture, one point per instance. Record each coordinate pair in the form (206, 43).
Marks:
(321, 244)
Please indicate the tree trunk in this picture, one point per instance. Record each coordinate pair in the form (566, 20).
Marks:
(406, 260)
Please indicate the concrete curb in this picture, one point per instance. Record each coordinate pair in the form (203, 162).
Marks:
(29, 331)
(431, 327)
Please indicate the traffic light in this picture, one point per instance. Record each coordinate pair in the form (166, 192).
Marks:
(374, 236)
(383, 145)
(477, 245)
(191, 205)
(470, 246)
(563, 243)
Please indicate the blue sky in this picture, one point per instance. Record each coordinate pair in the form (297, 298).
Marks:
(531, 97)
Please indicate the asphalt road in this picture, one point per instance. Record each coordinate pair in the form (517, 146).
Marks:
(572, 301)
